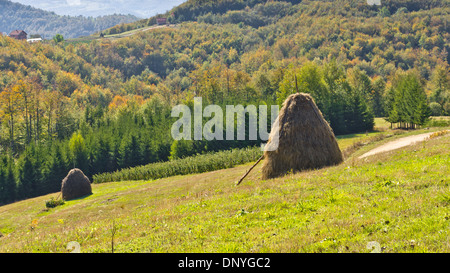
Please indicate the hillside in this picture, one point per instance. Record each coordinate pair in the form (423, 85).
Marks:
(47, 24)
(95, 8)
(105, 104)
(243, 11)
(397, 199)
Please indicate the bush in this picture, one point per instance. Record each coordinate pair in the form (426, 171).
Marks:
(54, 203)
(188, 165)
(438, 123)
(436, 109)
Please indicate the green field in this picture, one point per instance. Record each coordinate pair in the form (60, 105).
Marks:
(399, 199)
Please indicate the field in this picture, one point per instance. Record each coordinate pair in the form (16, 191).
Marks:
(398, 199)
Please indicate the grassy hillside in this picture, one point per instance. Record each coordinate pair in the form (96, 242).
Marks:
(118, 93)
(399, 199)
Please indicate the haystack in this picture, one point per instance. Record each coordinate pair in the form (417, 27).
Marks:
(75, 185)
(306, 141)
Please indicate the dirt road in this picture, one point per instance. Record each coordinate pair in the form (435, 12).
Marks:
(137, 31)
(396, 144)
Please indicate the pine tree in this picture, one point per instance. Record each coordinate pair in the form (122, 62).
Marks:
(78, 153)
(389, 106)
(102, 161)
(2, 182)
(27, 181)
(10, 182)
(408, 101)
(55, 171)
(130, 153)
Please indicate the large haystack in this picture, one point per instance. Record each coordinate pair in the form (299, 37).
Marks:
(75, 185)
(306, 141)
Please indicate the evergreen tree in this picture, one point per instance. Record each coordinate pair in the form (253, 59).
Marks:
(181, 148)
(2, 182)
(102, 161)
(408, 101)
(78, 152)
(27, 186)
(376, 97)
(389, 106)
(10, 182)
(358, 116)
(130, 154)
(56, 169)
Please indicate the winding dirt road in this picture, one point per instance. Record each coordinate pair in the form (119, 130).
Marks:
(396, 144)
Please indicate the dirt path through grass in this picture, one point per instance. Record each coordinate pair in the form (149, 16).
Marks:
(396, 144)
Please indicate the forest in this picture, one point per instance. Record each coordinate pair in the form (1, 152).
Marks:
(47, 24)
(105, 105)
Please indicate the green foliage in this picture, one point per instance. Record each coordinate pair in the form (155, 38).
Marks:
(52, 202)
(342, 104)
(435, 108)
(384, 12)
(58, 38)
(78, 151)
(181, 148)
(188, 165)
(408, 105)
(193, 9)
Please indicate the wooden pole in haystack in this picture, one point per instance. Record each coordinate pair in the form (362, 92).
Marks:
(245, 175)
(261, 158)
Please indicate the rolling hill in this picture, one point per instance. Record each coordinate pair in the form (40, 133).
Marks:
(94, 8)
(47, 24)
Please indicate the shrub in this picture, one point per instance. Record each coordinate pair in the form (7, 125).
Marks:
(188, 165)
(54, 202)
(436, 109)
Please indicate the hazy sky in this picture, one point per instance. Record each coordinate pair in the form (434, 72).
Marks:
(140, 8)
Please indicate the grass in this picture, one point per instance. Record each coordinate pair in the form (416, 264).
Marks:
(400, 199)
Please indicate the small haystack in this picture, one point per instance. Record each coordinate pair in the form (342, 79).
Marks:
(75, 185)
(306, 141)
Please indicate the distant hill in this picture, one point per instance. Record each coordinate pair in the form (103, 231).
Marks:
(198, 10)
(47, 24)
(139, 8)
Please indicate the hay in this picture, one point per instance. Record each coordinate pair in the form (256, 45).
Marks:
(75, 185)
(306, 141)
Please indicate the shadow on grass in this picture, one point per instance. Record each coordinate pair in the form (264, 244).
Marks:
(81, 197)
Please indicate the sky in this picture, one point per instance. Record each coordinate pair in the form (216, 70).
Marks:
(139, 8)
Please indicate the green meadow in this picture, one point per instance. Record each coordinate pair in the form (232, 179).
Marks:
(399, 200)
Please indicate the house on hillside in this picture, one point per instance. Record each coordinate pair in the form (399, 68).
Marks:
(18, 34)
(161, 21)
